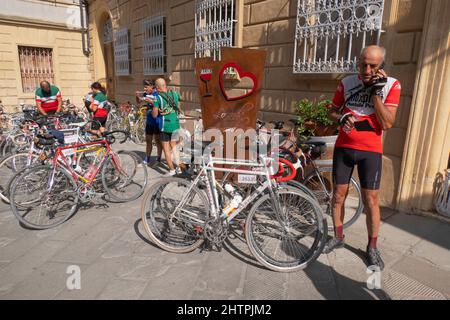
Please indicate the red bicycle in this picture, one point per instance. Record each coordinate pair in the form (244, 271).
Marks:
(45, 196)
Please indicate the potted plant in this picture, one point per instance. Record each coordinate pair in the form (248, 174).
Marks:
(312, 118)
(314, 125)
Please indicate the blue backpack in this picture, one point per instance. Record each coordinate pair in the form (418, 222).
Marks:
(158, 121)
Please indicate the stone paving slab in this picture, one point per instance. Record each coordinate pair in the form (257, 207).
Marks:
(22, 267)
(118, 261)
(415, 268)
(46, 282)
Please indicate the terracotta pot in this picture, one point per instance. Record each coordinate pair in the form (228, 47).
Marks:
(310, 125)
(323, 130)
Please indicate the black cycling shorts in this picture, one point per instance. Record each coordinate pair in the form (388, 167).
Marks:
(166, 136)
(95, 125)
(151, 129)
(369, 167)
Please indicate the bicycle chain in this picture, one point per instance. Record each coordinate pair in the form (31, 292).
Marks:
(216, 231)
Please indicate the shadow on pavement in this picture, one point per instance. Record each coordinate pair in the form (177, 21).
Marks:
(140, 235)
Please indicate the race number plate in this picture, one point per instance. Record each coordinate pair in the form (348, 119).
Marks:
(247, 178)
(69, 139)
(68, 152)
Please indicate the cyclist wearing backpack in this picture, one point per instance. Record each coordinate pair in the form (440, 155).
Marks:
(152, 131)
(165, 111)
(99, 107)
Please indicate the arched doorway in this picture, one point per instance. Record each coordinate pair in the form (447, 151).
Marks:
(108, 52)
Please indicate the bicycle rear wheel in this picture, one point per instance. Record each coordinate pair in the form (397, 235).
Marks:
(43, 197)
(19, 143)
(322, 187)
(139, 132)
(113, 122)
(290, 240)
(124, 177)
(175, 231)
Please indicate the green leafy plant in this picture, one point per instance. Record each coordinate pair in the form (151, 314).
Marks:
(311, 115)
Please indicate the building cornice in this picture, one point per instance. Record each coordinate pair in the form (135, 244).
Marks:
(11, 20)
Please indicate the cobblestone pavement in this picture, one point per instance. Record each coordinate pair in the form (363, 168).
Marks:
(117, 261)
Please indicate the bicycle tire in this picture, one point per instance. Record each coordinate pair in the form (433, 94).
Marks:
(328, 210)
(138, 136)
(295, 264)
(128, 181)
(301, 187)
(148, 217)
(5, 182)
(44, 196)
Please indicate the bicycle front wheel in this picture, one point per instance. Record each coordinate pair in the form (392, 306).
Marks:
(124, 177)
(291, 239)
(174, 226)
(43, 197)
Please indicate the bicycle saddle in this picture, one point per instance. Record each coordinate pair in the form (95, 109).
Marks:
(277, 124)
(314, 144)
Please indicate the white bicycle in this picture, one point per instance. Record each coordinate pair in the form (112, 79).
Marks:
(284, 228)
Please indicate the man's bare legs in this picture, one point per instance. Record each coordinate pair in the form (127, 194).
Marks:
(373, 214)
(167, 148)
(340, 192)
(149, 138)
(373, 219)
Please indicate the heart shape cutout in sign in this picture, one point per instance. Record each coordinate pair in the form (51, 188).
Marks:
(242, 74)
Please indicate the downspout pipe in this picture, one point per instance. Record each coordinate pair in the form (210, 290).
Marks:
(85, 36)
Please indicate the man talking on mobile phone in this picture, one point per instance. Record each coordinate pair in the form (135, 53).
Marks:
(364, 105)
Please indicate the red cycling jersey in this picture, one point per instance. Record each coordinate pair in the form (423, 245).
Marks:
(360, 104)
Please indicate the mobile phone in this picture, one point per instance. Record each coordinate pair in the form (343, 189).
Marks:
(363, 125)
(382, 65)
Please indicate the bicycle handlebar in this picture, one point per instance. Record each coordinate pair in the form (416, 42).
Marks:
(278, 176)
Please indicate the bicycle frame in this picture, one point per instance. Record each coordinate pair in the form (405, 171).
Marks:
(60, 159)
(314, 164)
(209, 169)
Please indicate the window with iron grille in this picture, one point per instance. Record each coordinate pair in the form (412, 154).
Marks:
(330, 34)
(122, 59)
(108, 31)
(154, 46)
(214, 27)
(36, 64)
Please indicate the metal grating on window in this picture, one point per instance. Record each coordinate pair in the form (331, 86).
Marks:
(36, 64)
(154, 46)
(122, 52)
(108, 31)
(214, 27)
(330, 34)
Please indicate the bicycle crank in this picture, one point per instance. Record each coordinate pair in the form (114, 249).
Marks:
(216, 231)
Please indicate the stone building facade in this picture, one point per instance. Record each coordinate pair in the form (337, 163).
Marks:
(415, 33)
(49, 25)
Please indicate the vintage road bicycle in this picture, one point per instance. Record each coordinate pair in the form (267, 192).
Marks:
(44, 196)
(284, 228)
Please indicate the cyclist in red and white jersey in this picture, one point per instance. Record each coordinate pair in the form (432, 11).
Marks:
(364, 105)
(48, 98)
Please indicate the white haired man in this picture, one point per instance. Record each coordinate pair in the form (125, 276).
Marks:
(364, 105)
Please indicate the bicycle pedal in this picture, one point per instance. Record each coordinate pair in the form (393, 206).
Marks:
(203, 247)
